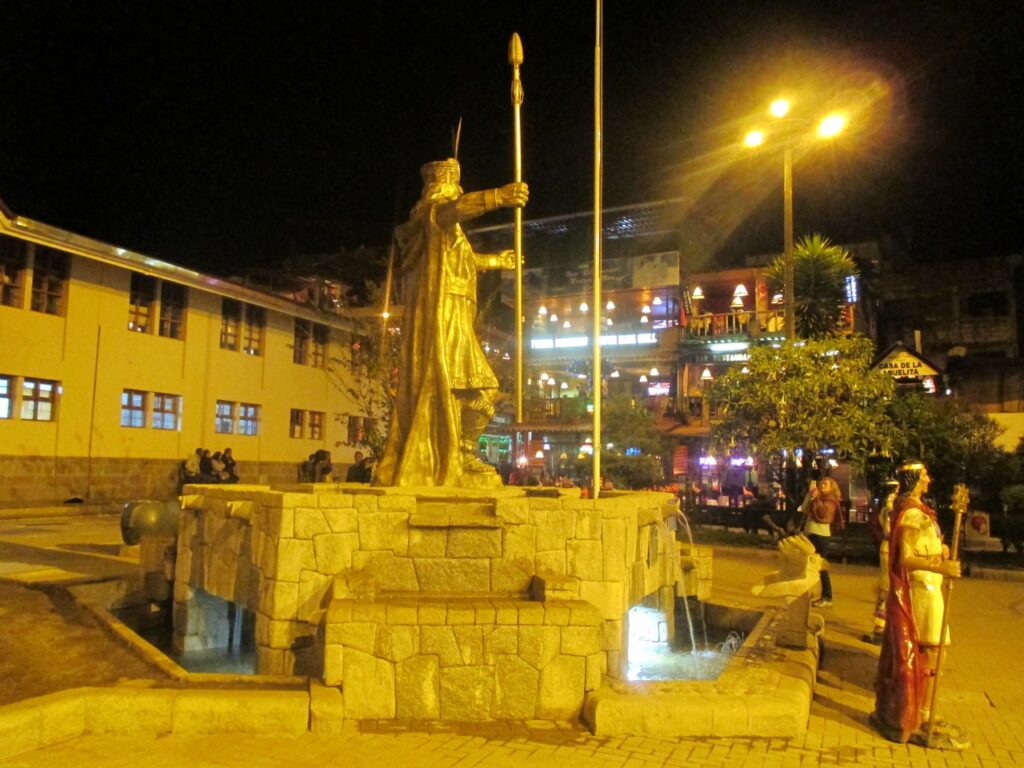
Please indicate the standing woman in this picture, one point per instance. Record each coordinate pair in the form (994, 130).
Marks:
(824, 509)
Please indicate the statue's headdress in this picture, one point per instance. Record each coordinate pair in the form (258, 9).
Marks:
(440, 172)
(908, 473)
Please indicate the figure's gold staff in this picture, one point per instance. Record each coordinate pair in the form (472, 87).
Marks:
(515, 58)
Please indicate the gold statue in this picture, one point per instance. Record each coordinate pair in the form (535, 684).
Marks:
(446, 388)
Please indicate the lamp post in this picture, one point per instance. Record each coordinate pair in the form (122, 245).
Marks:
(788, 289)
(829, 127)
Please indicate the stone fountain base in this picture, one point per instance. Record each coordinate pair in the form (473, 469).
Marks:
(764, 691)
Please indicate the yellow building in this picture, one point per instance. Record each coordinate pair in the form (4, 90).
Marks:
(114, 367)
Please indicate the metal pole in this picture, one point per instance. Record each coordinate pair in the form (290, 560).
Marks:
(386, 303)
(515, 58)
(598, 305)
(787, 226)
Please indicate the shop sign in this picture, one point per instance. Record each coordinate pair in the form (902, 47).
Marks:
(903, 364)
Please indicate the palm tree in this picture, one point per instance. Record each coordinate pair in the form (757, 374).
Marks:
(820, 274)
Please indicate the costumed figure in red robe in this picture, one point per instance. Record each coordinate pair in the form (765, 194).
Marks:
(918, 561)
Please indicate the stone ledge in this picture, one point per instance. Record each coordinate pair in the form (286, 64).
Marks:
(762, 697)
(45, 720)
(452, 520)
(485, 609)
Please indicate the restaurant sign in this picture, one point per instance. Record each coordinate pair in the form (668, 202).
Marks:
(901, 363)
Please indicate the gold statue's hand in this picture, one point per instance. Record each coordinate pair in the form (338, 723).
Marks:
(950, 569)
(513, 195)
(508, 259)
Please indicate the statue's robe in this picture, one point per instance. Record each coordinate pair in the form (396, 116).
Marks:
(900, 683)
(439, 353)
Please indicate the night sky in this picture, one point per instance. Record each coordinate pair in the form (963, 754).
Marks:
(227, 135)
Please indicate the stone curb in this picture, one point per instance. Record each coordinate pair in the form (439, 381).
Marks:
(60, 510)
(996, 574)
(39, 722)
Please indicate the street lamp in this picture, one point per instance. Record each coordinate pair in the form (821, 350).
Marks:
(829, 127)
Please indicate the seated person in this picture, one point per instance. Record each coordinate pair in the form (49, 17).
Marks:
(207, 473)
(230, 466)
(322, 467)
(190, 467)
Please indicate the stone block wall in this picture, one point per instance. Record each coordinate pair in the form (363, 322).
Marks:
(463, 659)
(52, 479)
(300, 559)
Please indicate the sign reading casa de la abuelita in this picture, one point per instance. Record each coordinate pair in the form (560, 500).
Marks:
(900, 362)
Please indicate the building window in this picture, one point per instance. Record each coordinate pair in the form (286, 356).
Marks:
(224, 421)
(300, 347)
(133, 408)
(49, 273)
(310, 347)
(172, 310)
(297, 425)
(12, 270)
(38, 399)
(316, 425)
(318, 352)
(248, 419)
(230, 321)
(166, 411)
(6, 397)
(141, 297)
(255, 320)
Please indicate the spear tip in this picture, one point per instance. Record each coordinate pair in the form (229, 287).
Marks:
(515, 50)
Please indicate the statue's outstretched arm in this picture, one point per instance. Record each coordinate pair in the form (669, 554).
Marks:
(473, 204)
(503, 260)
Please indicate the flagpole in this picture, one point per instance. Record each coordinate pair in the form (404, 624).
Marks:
(515, 58)
(598, 225)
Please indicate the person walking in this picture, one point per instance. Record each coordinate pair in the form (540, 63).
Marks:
(823, 509)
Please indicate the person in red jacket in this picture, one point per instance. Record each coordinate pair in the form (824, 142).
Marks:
(823, 509)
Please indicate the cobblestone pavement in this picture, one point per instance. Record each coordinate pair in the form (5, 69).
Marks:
(979, 690)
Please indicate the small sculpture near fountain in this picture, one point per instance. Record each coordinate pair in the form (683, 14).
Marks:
(798, 575)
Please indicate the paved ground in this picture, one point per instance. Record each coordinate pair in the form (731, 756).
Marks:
(47, 642)
(980, 691)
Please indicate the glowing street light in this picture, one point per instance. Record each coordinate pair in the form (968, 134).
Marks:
(779, 108)
(831, 126)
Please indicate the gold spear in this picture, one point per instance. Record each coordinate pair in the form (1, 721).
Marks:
(515, 58)
(959, 504)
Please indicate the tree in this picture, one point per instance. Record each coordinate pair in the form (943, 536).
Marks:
(820, 274)
(627, 424)
(808, 395)
(366, 369)
(957, 443)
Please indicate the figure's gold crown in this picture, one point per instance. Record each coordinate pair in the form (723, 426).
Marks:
(441, 172)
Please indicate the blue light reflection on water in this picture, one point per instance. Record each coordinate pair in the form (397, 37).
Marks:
(155, 628)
